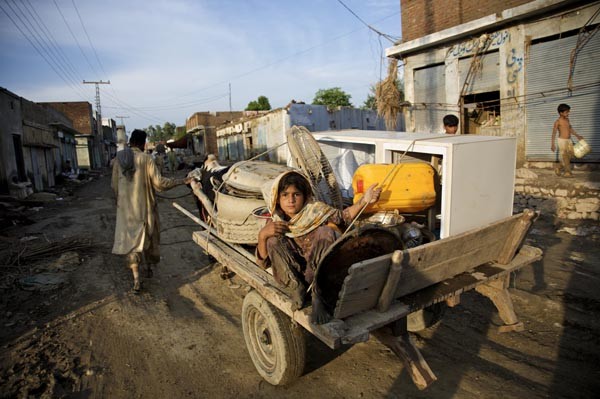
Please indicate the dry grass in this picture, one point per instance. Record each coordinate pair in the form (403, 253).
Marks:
(388, 96)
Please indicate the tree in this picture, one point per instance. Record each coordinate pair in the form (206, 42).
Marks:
(333, 97)
(158, 133)
(260, 104)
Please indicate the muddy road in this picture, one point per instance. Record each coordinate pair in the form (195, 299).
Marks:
(87, 336)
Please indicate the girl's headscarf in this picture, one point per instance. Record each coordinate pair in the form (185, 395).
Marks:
(311, 216)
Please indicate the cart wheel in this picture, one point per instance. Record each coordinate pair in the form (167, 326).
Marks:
(425, 318)
(277, 348)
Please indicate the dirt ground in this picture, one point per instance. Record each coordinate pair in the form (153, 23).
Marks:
(89, 337)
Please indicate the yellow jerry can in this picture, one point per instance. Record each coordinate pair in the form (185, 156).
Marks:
(408, 188)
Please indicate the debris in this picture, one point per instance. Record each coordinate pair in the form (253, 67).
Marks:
(68, 261)
(28, 238)
(42, 282)
(21, 254)
(42, 196)
(580, 231)
(577, 257)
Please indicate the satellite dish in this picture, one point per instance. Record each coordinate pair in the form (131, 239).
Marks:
(307, 155)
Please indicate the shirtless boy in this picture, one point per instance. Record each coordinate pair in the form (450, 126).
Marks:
(565, 146)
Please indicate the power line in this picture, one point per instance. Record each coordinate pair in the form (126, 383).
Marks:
(181, 105)
(52, 40)
(63, 78)
(279, 60)
(75, 38)
(390, 38)
(35, 35)
(88, 37)
(121, 117)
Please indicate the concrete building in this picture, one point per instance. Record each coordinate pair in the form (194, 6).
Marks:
(12, 163)
(109, 139)
(502, 68)
(35, 142)
(252, 135)
(202, 127)
(89, 140)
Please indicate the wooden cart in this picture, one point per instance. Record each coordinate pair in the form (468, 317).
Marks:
(378, 295)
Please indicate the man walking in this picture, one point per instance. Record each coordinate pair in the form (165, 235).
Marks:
(135, 179)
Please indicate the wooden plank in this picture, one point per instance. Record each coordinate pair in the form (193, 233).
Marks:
(387, 293)
(517, 236)
(266, 286)
(404, 347)
(363, 323)
(497, 291)
(423, 265)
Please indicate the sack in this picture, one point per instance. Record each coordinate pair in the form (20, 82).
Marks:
(581, 149)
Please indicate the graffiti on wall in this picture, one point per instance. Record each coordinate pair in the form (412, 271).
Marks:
(468, 47)
(514, 66)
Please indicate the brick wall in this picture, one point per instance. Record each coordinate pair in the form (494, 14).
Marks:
(42, 114)
(211, 118)
(79, 112)
(423, 17)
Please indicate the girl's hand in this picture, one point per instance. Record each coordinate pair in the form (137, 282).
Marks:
(371, 195)
(273, 229)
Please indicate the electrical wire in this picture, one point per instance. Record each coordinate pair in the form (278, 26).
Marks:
(38, 50)
(389, 37)
(533, 97)
(75, 38)
(33, 32)
(88, 37)
(52, 40)
(279, 60)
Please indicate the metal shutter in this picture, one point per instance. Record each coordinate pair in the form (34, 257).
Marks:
(430, 89)
(547, 70)
(484, 80)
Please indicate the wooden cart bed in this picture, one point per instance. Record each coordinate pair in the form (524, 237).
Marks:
(376, 292)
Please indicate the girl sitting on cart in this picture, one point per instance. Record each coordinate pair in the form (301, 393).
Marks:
(299, 233)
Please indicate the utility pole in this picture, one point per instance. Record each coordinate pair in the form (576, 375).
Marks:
(230, 100)
(98, 111)
(121, 117)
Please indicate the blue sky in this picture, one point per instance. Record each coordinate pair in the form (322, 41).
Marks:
(168, 59)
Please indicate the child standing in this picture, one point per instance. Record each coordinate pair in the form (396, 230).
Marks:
(565, 146)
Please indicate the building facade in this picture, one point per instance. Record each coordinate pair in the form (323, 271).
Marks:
(202, 127)
(109, 139)
(502, 68)
(90, 152)
(35, 143)
(12, 163)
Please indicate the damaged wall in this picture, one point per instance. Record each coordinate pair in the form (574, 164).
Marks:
(11, 132)
(253, 135)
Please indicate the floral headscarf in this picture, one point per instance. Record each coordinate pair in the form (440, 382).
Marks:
(311, 216)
